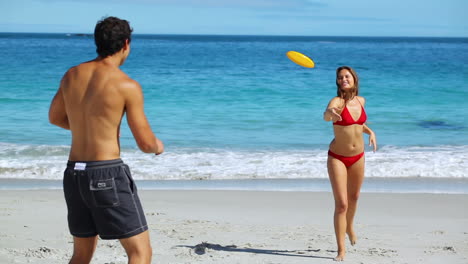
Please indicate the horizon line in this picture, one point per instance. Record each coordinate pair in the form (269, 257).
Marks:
(237, 35)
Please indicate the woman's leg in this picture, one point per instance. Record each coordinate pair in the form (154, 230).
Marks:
(355, 180)
(338, 179)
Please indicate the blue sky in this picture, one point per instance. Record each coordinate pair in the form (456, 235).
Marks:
(440, 18)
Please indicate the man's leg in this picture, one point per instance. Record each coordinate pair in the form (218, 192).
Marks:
(83, 249)
(138, 248)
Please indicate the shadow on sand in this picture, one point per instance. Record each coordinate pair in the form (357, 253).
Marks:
(200, 249)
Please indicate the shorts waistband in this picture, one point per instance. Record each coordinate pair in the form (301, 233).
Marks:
(94, 164)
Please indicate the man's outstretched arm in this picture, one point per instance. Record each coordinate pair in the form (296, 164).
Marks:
(136, 118)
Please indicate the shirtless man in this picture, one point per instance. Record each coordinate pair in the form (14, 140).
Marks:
(100, 193)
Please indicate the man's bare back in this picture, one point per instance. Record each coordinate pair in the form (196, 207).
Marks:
(95, 95)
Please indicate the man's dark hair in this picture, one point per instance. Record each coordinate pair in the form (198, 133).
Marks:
(110, 35)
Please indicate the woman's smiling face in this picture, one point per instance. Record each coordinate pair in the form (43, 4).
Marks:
(345, 79)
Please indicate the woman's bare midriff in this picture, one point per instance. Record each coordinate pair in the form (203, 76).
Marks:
(348, 140)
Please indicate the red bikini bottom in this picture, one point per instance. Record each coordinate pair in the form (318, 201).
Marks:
(348, 161)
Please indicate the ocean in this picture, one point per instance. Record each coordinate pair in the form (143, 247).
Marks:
(235, 113)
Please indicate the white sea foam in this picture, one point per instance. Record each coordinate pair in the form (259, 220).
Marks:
(48, 162)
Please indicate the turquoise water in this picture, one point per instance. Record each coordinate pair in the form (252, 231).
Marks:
(234, 107)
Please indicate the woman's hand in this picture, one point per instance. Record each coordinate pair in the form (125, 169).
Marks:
(373, 141)
(333, 114)
(372, 138)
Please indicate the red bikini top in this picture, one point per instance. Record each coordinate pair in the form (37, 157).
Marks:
(347, 118)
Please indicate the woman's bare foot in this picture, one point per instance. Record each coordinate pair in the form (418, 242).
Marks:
(339, 257)
(352, 236)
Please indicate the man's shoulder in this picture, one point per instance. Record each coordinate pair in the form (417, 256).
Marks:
(127, 84)
(122, 83)
(69, 74)
(78, 68)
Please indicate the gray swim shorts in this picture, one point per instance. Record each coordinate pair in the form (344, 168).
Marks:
(102, 200)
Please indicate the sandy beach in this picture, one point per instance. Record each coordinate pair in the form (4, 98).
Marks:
(249, 227)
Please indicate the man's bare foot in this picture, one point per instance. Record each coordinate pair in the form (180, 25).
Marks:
(352, 237)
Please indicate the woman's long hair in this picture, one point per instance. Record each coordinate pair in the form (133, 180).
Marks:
(354, 91)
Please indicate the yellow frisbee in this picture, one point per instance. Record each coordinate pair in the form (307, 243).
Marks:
(300, 59)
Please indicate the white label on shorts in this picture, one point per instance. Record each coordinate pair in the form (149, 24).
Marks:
(80, 166)
(101, 185)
